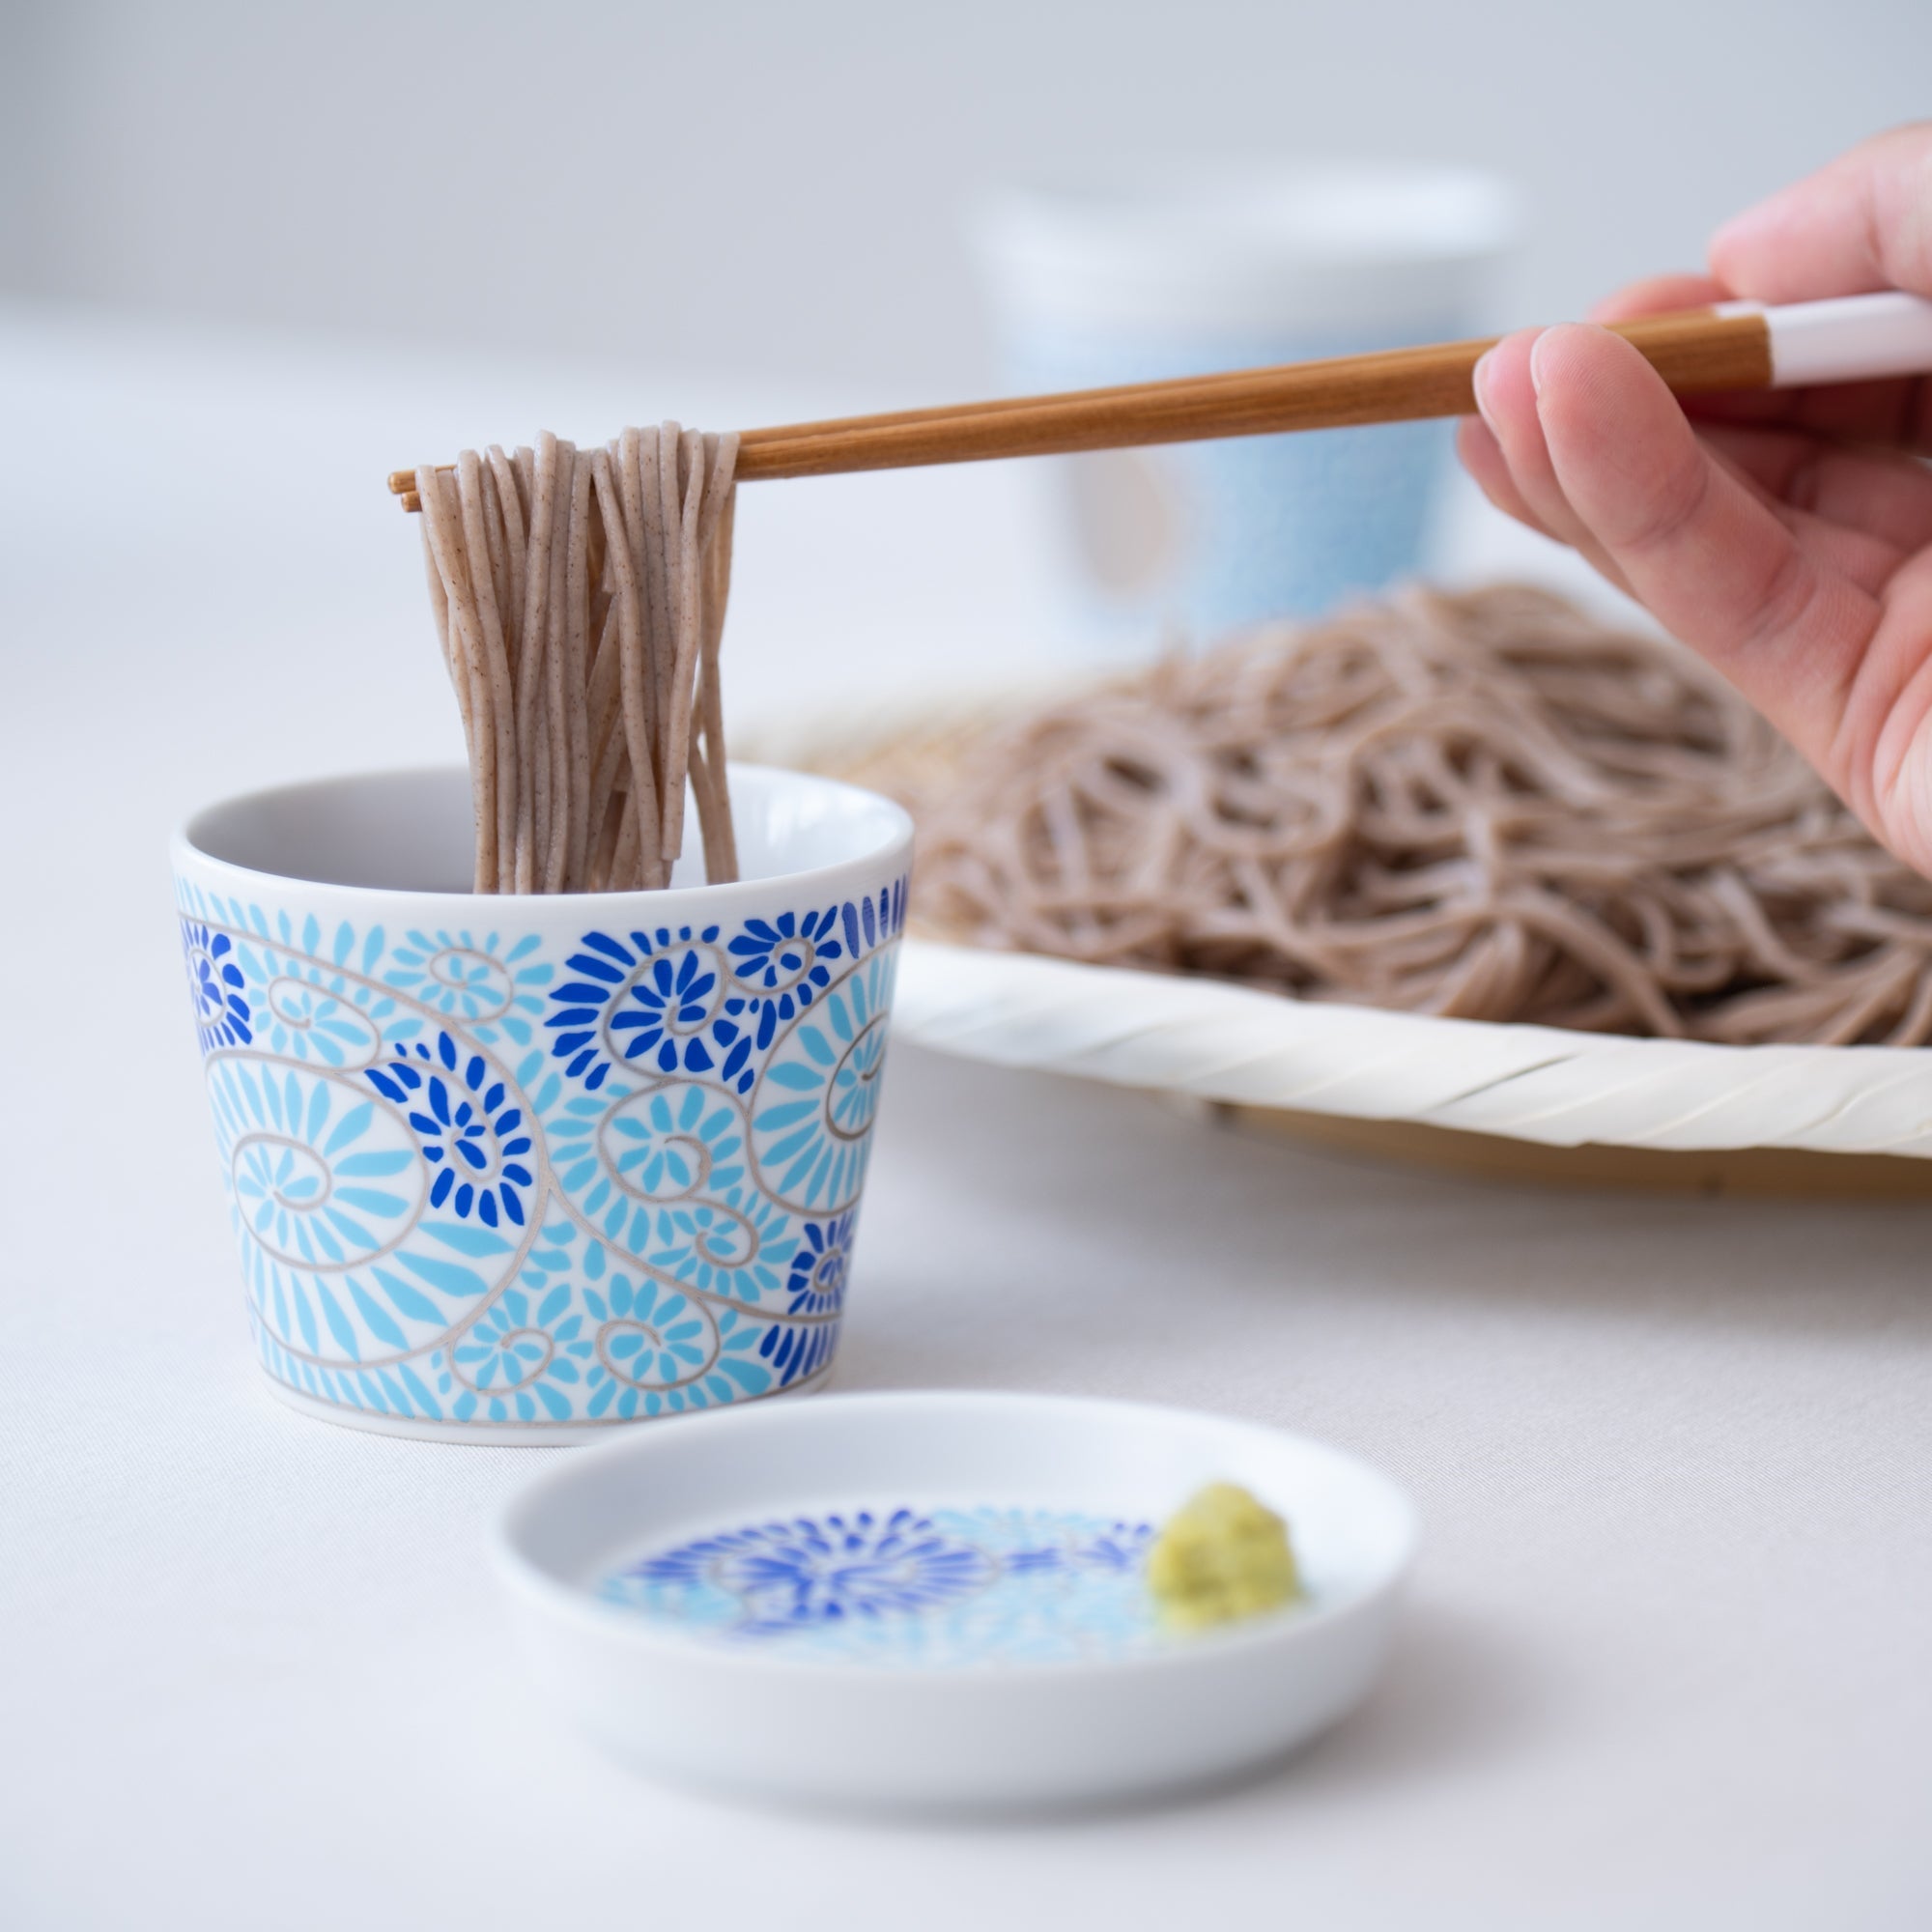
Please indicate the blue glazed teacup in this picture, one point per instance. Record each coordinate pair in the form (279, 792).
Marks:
(1182, 271)
(517, 1169)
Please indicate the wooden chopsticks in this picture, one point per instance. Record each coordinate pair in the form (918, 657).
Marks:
(1696, 350)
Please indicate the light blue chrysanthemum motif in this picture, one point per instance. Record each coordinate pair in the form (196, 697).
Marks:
(522, 1359)
(738, 1245)
(815, 1569)
(672, 1140)
(301, 1019)
(324, 1179)
(942, 1587)
(622, 1155)
(492, 988)
(661, 1352)
(312, 1008)
(306, 998)
(217, 987)
(471, 1126)
(813, 1110)
(330, 1196)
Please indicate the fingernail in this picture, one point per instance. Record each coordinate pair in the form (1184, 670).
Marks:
(1479, 379)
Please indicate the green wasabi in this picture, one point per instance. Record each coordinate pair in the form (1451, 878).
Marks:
(1221, 1557)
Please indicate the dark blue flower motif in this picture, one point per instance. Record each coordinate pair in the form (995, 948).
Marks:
(818, 1282)
(1119, 1548)
(779, 966)
(652, 1001)
(467, 1126)
(799, 1351)
(214, 986)
(816, 1570)
(871, 923)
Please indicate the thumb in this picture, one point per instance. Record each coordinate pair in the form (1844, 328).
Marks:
(1861, 223)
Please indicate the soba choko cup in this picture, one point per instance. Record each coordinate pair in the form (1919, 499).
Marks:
(517, 1169)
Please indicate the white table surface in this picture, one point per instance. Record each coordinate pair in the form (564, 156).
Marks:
(1667, 1657)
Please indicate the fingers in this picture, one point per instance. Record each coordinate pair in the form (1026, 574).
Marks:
(1658, 295)
(1693, 541)
(1884, 496)
(1893, 413)
(1863, 222)
(1860, 223)
(1873, 495)
(1506, 396)
(1481, 456)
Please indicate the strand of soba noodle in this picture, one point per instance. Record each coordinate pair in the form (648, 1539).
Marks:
(579, 598)
(1486, 806)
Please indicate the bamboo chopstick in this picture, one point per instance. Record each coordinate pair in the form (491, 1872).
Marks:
(1697, 350)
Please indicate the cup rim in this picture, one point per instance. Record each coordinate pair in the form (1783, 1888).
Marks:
(1296, 248)
(186, 855)
(1142, 217)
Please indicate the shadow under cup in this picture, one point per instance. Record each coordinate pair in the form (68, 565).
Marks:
(513, 1169)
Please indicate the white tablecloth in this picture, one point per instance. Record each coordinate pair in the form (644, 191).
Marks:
(1667, 1657)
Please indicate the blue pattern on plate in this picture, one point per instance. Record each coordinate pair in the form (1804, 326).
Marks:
(939, 1587)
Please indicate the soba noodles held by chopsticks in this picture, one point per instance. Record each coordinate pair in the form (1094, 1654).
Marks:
(580, 596)
(1487, 805)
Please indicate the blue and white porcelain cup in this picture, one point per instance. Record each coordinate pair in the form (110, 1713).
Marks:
(518, 1169)
(1189, 271)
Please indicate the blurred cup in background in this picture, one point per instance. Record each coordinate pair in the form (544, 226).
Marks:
(1190, 270)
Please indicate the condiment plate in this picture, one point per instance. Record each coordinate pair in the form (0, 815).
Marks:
(933, 1601)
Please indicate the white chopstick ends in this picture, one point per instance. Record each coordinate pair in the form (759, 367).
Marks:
(1849, 339)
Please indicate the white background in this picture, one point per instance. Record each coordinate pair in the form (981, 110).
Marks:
(1665, 1663)
(769, 186)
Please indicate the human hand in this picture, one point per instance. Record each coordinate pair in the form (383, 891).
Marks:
(1786, 537)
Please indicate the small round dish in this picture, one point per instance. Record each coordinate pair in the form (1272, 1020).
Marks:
(934, 1601)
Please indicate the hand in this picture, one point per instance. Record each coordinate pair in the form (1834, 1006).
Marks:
(1786, 537)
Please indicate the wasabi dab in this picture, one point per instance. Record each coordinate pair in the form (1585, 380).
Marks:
(1221, 1557)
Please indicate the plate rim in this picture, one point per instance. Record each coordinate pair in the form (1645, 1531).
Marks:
(1174, 1032)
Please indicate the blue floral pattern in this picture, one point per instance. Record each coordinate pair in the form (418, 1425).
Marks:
(780, 965)
(945, 1586)
(814, 1105)
(655, 1000)
(216, 987)
(818, 1282)
(471, 1129)
(492, 987)
(483, 1179)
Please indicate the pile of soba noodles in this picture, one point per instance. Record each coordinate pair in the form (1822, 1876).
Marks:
(1487, 805)
(580, 596)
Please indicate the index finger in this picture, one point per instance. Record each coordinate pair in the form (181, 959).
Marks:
(1895, 413)
(1861, 223)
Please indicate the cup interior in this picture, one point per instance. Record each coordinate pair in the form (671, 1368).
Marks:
(411, 831)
